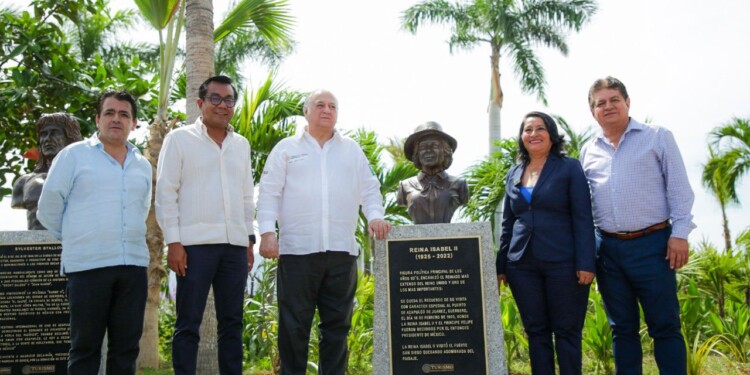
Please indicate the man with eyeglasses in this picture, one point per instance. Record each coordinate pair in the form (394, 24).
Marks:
(204, 205)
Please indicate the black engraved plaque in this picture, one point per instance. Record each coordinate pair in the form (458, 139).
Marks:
(34, 321)
(436, 306)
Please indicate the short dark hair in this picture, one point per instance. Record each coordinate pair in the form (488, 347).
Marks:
(70, 127)
(608, 82)
(203, 90)
(119, 95)
(558, 141)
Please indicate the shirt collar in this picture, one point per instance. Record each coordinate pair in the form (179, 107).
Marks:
(202, 129)
(304, 133)
(96, 142)
(632, 125)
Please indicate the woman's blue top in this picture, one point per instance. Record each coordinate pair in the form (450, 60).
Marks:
(526, 192)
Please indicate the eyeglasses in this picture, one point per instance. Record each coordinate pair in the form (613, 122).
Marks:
(216, 100)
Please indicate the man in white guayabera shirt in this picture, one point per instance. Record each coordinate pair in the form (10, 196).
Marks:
(313, 185)
(641, 200)
(204, 205)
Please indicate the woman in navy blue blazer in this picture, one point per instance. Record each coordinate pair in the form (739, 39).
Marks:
(547, 250)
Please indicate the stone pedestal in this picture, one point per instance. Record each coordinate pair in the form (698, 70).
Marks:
(436, 302)
(34, 320)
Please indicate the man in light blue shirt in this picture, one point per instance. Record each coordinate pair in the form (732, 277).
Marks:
(641, 201)
(96, 199)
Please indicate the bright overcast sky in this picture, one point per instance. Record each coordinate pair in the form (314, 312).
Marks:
(685, 65)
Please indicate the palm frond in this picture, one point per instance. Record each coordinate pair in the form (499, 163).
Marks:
(567, 14)
(400, 171)
(527, 66)
(548, 36)
(730, 156)
(158, 12)
(395, 147)
(433, 11)
(486, 181)
(271, 18)
(574, 141)
(234, 49)
(265, 117)
(511, 27)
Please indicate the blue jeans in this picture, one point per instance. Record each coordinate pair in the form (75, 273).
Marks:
(632, 271)
(224, 267)
(551, 303)
(110, 299)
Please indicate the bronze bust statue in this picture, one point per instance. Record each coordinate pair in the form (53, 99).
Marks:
(432, 196)
(54, 132)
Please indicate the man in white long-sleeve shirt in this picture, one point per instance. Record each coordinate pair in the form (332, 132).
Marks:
(204, 205)
(313, 185)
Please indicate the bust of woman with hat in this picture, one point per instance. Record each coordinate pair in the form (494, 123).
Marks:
(432, 196)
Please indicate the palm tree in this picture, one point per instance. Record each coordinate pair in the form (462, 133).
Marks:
(732, 142)
(261, 28)
(512, 27)
(729, 160)
(161, 15)
(199, 51)
(199, 65)
(715, 179)
(95, 32)
(271, 19)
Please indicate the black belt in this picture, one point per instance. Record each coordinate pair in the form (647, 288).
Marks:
(636, 233)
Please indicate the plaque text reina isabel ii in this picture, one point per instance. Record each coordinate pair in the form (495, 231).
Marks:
(436, 306)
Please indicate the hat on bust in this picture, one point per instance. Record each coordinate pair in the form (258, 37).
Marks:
(428, 128)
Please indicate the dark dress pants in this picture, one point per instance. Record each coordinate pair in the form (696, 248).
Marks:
(327, 280)
(632, 271)
(551, 303)
(224, 267)
(112, 300)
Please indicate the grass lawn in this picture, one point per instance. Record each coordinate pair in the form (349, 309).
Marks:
(715, 365)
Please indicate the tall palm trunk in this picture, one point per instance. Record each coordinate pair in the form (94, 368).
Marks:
(725, 224)
(496, 104)
(149, 344)
(169, 18)
(199, 67)
(199, 60)
(496, 99)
